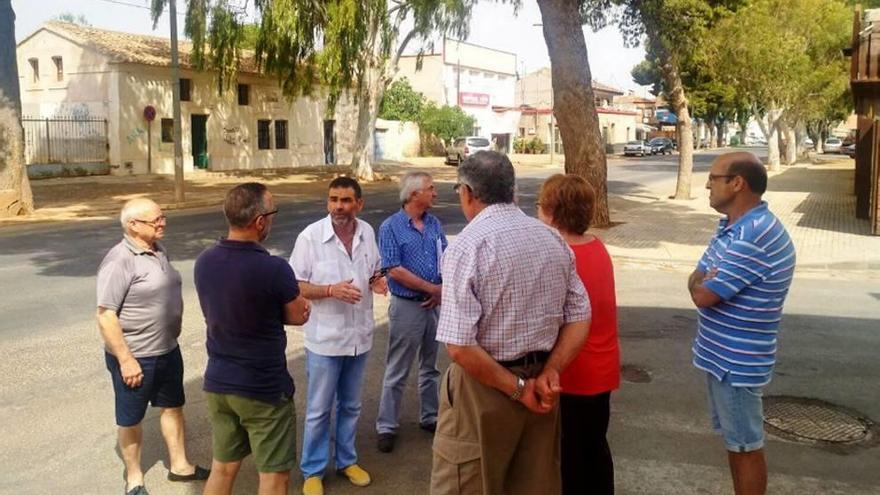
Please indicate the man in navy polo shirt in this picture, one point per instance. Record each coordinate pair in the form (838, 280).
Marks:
(411, 242)
(247, 296)
(739, 287)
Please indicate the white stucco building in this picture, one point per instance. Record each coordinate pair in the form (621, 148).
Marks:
(480, 80)
(77, 72)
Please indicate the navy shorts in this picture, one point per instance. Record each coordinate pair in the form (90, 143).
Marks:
(162, 386)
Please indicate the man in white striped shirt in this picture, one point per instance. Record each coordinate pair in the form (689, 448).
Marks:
(739, 288)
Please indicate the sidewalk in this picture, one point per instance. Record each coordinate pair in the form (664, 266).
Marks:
(814, 201)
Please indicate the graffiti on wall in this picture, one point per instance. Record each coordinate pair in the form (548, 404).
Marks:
(135, 135)
(75, 111)
(234, 136)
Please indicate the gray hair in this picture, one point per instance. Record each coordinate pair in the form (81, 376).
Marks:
(412, 182)
(490, 177)
(134, 208)
(243, 203)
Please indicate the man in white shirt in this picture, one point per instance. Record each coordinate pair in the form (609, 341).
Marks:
(337, 263)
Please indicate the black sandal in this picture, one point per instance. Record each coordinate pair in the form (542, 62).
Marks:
(200, 474)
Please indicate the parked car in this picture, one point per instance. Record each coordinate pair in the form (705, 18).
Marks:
(832, 145)
(639, 148)
(849, 150)
(808, 142)
(661, 145)
(464, 147)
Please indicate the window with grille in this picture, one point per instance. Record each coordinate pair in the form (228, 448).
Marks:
(281, 134)
(263, 134)
(35, 68)
(244, 94)
(167, 130)
(185, 89)
(59, 67)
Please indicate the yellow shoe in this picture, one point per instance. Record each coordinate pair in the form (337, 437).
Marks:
(356, 475)
(313, 486)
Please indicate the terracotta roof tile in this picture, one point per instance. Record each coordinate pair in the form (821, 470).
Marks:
(137, 48)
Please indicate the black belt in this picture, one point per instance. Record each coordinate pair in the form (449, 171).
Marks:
(536, 357)
(412, 298)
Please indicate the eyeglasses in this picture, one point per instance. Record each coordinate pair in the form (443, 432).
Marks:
(264, 215)
(268, 213)
(713, 177)
(458, 185)
(161, 219)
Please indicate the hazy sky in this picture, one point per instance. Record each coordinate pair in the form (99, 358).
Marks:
(493, 25)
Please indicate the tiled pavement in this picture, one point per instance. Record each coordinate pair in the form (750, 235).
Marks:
(814, 201)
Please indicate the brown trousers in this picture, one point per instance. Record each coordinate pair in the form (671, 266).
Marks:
(488, 444)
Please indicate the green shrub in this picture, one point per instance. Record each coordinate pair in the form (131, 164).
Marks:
(536, 146)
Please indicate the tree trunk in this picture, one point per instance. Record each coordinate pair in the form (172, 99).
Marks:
(15, 189)
(722, 132)
(573, 95)
(713, 134)
(678, 100)
(371, 90)
(771, 131)
(787, 131)
(368, 110)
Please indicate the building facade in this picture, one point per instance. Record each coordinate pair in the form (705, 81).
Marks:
(480, 80)
(534, 96)
(81, 73)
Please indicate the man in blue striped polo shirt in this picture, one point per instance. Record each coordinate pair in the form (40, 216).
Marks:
(411, 242)
(739, 288)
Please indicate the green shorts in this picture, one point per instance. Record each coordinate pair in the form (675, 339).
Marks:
(241, 426)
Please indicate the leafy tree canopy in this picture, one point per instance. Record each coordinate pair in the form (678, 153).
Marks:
(73, 18)
(445, 122)
(401, 102)
(307, 43)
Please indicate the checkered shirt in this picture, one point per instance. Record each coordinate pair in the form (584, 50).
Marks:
(509, 284)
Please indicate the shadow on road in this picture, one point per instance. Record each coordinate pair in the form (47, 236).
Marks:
(655, 339)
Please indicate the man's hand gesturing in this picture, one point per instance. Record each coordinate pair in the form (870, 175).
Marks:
(346, 292)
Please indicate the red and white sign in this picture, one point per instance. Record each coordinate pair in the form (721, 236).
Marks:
(473, 99)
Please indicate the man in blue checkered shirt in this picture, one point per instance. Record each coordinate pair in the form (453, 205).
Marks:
(411, 243)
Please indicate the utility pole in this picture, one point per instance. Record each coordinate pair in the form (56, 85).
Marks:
(179, 193)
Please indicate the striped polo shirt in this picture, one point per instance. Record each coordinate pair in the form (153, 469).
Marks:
(755, 259)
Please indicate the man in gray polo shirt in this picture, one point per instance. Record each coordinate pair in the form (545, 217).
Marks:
(140, 308)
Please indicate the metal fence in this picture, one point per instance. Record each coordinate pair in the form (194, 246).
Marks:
(65, 140)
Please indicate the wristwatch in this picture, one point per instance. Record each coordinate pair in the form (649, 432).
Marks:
(520, 385)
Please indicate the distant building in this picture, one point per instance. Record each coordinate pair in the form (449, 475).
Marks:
(535, 99)
(478, 79)
(71, 73)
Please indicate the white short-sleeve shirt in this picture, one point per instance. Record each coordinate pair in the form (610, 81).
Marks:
(336, 328)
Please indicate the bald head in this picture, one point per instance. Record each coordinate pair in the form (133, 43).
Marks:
(138, 208)
(747, 166)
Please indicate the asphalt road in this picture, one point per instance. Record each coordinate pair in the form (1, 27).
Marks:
(47, 271)
(56, 402)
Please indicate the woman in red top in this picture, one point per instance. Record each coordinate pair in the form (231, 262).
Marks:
(566, 202)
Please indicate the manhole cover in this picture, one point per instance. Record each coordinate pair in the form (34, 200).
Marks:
(634, 374)
(813, 420)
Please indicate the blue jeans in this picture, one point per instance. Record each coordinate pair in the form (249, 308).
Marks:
(412, 330)
(331, 377)
(737, 414)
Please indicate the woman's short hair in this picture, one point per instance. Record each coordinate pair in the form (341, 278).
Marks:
(570, 200)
